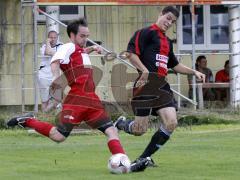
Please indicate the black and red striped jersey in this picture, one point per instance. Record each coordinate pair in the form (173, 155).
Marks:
(154, 49)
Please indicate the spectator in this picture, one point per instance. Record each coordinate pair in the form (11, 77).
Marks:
(201, 66)
(45, 74)
(222, 76)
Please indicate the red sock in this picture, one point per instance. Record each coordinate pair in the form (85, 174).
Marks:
(115, 146)
(39, 126)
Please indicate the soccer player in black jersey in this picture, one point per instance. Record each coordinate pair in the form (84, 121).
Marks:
(151, 52)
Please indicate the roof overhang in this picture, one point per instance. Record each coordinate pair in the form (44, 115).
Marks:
(135, 2)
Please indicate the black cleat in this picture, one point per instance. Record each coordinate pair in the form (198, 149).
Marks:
(139, 165)
(151, 163)
(120, 123)
(19, 120)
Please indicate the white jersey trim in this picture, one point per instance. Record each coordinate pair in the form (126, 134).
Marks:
(86, 59)
(63, 54)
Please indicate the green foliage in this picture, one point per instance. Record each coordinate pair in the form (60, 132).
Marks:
(203, 119)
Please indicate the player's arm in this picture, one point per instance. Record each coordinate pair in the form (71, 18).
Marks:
(56, 83)
(182, 69)
(134, 51)
(62, 56)
(55, 67)
(135, 61)
(93, 48)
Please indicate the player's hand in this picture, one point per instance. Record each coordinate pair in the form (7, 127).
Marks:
(200, 76)
(97, 49)
(143, 79)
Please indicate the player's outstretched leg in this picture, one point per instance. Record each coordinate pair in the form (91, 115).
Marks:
(44, 128)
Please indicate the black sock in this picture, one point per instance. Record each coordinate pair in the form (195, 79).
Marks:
(158, 139)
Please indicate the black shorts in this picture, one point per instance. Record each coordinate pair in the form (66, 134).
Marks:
(152, 97)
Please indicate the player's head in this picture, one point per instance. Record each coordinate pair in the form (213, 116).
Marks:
(167, 17)
(53, 36)
(78, 31)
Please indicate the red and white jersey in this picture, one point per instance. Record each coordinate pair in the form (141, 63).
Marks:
(76, 66)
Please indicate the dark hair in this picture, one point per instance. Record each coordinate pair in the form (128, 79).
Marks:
(226, 63)
(198, 60)
(52, 31)
(74, 25)
(171, 9)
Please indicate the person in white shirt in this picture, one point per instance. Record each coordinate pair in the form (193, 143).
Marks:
(45, 76)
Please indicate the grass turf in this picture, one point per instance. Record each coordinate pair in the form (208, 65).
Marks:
(197, 152)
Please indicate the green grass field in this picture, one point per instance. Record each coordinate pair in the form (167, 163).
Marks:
(200, 152)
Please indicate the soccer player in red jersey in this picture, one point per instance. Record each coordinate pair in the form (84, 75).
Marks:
(81, 103)
(151, 52)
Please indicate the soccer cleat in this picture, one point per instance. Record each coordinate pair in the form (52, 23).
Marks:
(120, 123)
(151, 163)
(19, 120)
(140, 165)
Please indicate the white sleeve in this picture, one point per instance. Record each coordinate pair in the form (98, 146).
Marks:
(63, 53)
(42, 49)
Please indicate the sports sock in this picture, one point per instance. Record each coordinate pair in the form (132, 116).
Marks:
(126, 126)
(115, 146)
(158, 139)
(39, 126)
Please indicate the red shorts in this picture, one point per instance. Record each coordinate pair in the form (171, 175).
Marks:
(78, 108)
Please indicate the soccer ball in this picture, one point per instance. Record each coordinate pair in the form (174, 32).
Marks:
(119, 164)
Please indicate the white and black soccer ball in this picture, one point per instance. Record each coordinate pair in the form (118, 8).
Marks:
(119, 164)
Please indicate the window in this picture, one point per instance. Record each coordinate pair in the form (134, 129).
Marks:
(211, 28)
(187, 25)
(67, 13)
(219, 24)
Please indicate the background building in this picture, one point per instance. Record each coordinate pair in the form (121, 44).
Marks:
(113, 26)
